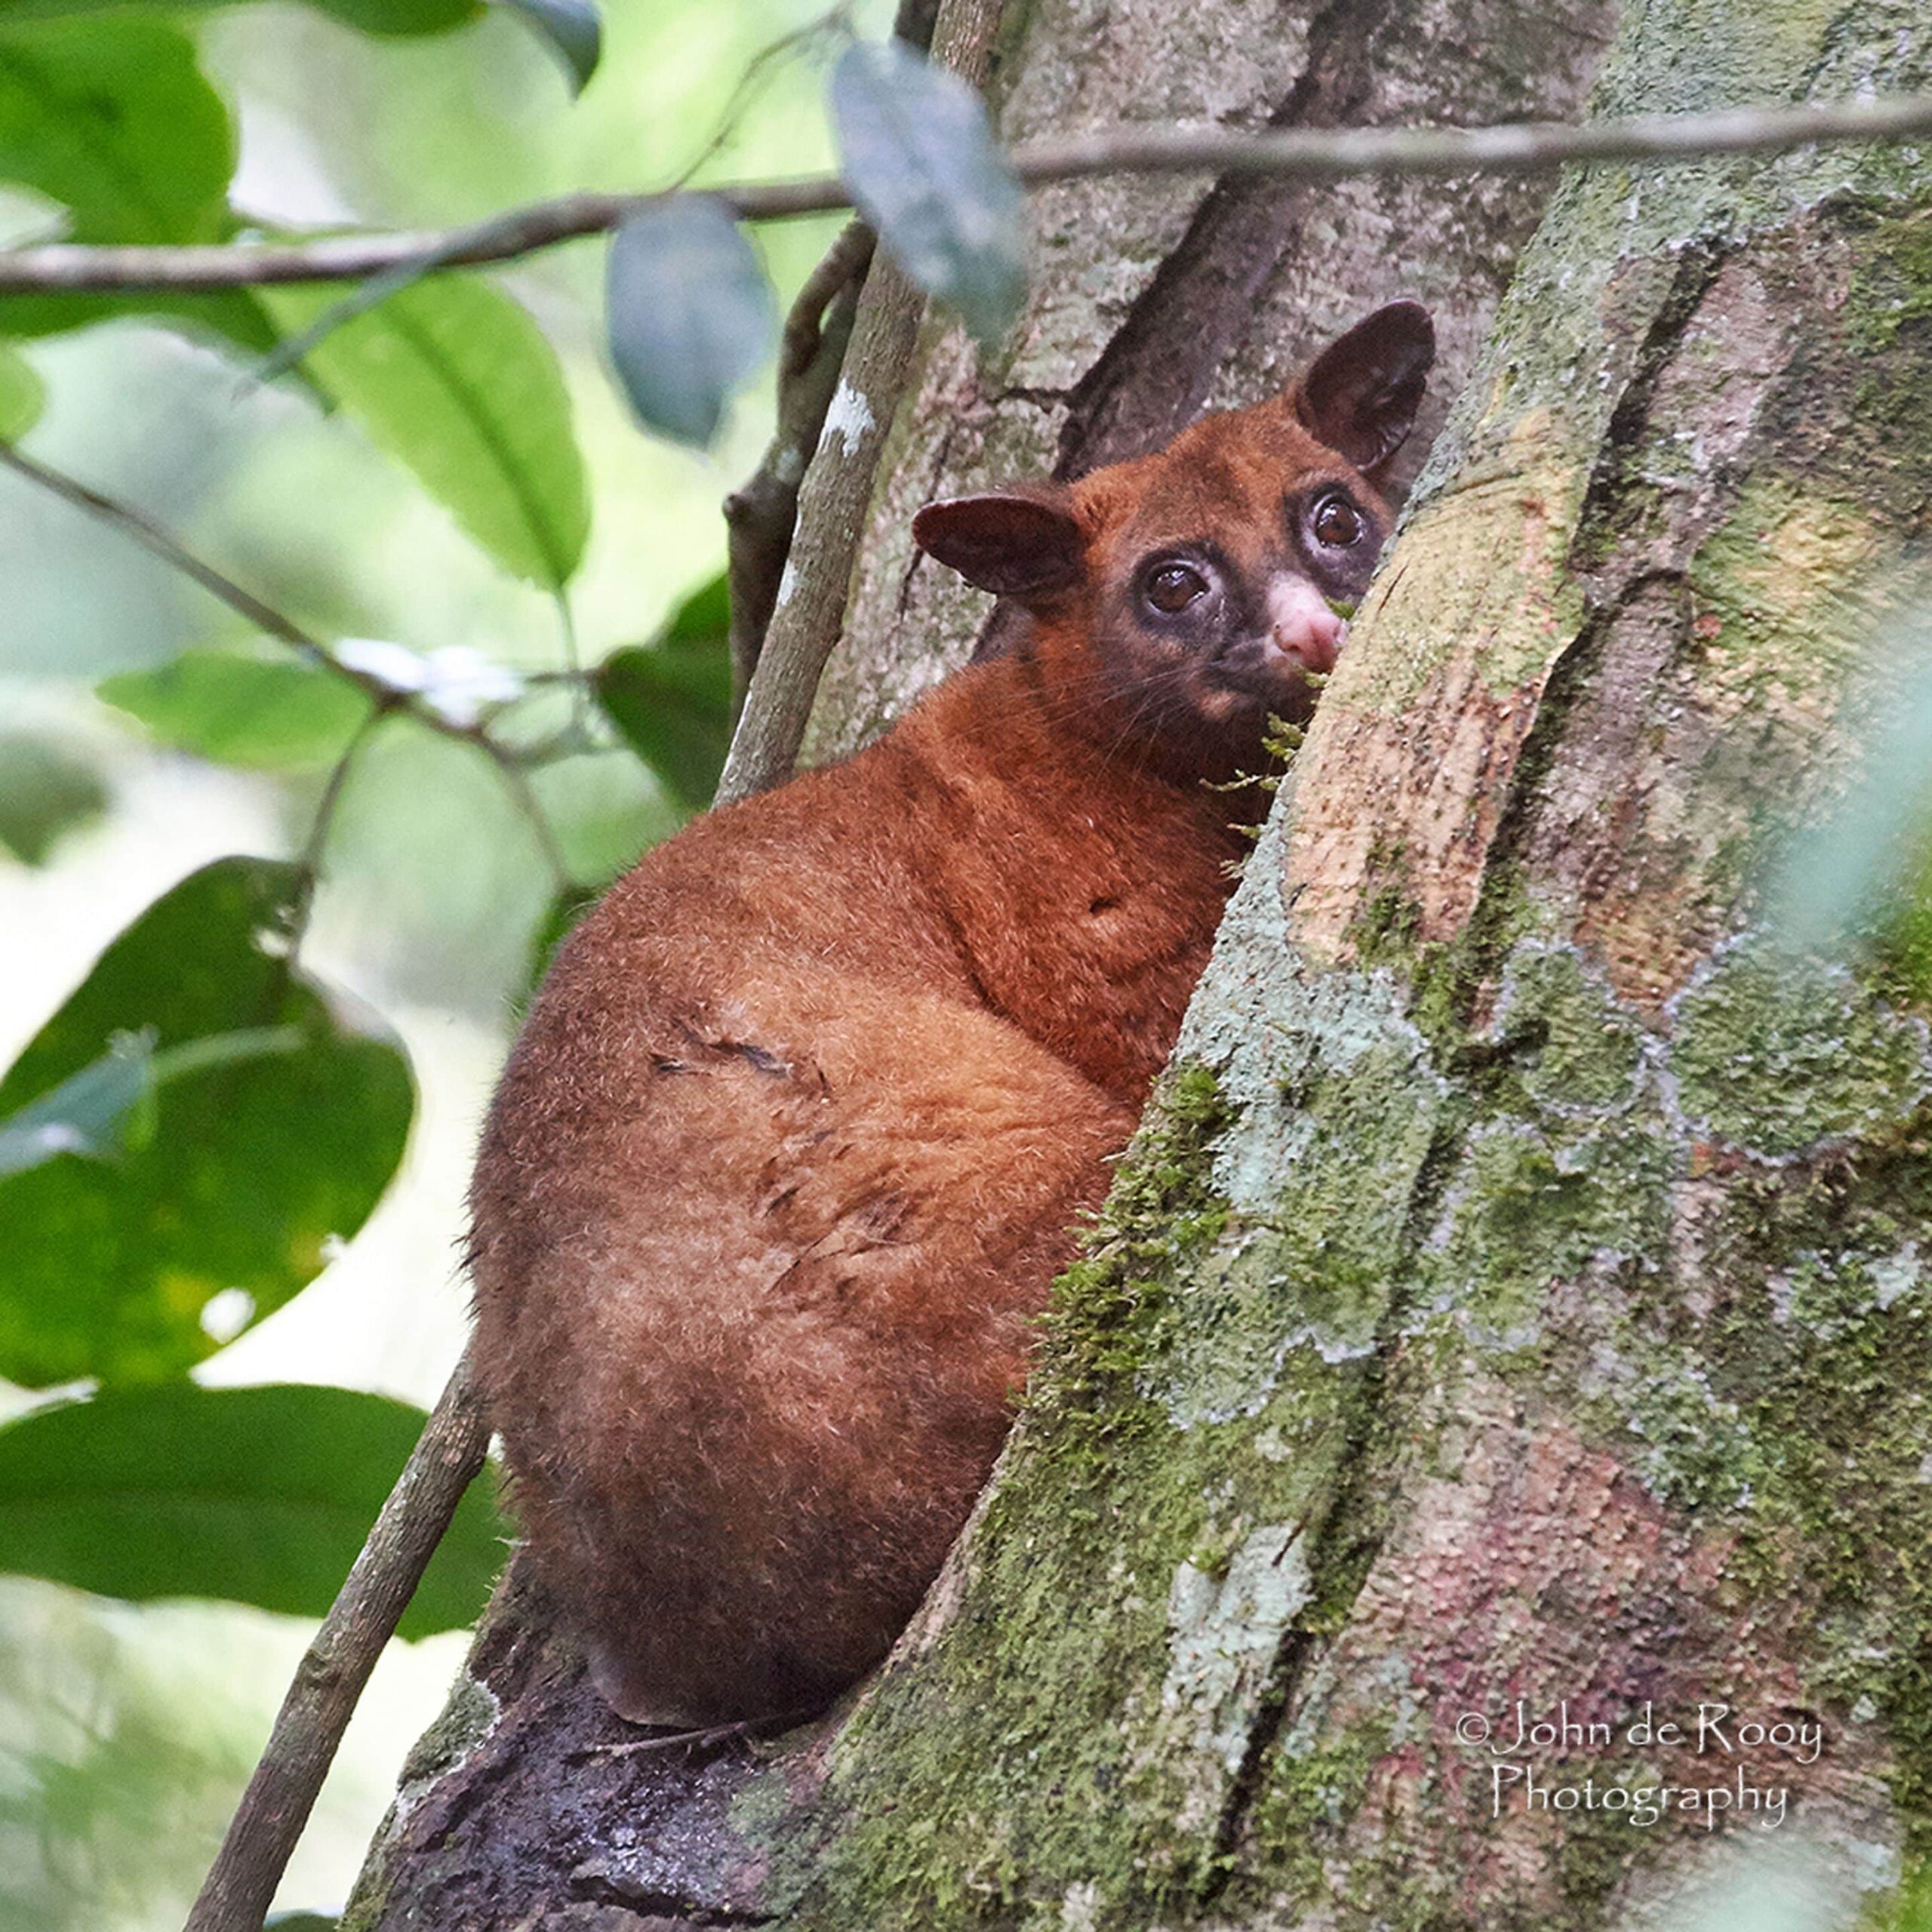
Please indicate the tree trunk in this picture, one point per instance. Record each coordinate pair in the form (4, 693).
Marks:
(1512, 1311)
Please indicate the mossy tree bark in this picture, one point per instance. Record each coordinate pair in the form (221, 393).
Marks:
(1514, 1302)
(1513, 1310)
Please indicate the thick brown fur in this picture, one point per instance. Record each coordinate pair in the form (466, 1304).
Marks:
(799, 1130)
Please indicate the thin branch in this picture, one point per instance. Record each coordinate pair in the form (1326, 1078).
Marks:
(758, 71)
(763, 512)
(241, 1886)
(1527, 147)
(377, 290)
(157, 542)
(388, 700)
(511, 769)
(308, 867)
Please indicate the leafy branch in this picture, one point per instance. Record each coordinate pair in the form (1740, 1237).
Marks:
(1290, 154)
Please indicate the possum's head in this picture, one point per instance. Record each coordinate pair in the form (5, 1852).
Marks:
(1182, 599)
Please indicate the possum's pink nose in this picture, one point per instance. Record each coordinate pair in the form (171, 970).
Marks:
(1304, 627)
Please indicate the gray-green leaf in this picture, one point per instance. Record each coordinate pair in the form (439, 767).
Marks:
(574, 27)
(692, 314)
(918, 153)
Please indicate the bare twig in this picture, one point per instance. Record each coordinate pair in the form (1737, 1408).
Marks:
(308, 867)
(516, 775)
(241, 1886)
(809, 605)
(1528, 147)
(512, 766)
(378, 289)
(758, 69)
(153, 538)
(763, 513)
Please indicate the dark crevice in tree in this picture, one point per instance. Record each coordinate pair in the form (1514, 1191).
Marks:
(1597, 523)
(1152, 378)
(656, 1910)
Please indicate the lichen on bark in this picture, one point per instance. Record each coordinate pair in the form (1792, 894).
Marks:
(1554, 1326)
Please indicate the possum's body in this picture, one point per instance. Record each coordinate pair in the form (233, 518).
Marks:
(795, 1137)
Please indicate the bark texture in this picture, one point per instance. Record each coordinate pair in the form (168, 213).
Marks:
(1153, 300)
(1515, 1302)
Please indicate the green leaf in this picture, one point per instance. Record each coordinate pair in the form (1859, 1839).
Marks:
(22, 394)
(454, 378)
(918, 153)
(574, 27)
(45, 792)
(672, 699)
(260, 1495)
(692, 314)
(254, 1169)
(112, 118)
(260, 709)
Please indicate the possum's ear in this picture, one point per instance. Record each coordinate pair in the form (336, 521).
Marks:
(1361, 394)
(1024, 544)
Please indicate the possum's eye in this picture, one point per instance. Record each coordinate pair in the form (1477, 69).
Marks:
(1336, 522)
(1171, 587)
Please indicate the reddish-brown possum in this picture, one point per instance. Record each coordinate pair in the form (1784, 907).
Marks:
(800, 1126)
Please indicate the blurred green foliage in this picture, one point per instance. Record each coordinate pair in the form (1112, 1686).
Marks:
(261, 1495)
(517, 678)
